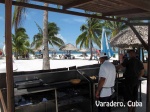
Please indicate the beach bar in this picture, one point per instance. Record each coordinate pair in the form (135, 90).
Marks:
(129, 9)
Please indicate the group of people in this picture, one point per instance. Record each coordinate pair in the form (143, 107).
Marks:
(107, 75)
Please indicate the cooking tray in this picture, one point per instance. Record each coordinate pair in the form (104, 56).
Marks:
(28, 83)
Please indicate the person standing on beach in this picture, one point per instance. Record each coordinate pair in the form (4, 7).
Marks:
(134, 70)
(107, 76)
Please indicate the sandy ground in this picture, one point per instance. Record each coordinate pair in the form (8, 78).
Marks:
(36, 64)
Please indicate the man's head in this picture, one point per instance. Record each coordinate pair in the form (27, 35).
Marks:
(132, 53)
(103, 57)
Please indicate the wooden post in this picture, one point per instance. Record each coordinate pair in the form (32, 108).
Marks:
(148, 74)
(9, 66)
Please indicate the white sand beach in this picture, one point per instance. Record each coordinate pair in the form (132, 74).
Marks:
(36, 64)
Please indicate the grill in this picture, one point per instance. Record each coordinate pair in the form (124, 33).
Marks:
(28, 83)
(92, 75)
(52, 92)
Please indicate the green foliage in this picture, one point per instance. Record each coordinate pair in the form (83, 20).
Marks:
(114, 27)
(91, 33)
(52, 36)
(20, 42)
(18, 14)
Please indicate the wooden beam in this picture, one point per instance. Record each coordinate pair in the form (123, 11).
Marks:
(138, 36)
(124, 12)
(2, 101)
(148, 75)
(47, 1)
(142, 4)
(76, 3)
(140, 24)
(62, 11)
(9, 66)
(139, 18)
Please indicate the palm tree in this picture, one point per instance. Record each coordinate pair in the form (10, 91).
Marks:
(52, 36)
(19, 11)
(20, 42)
(46, 63)
(114, 27)
(90, 34)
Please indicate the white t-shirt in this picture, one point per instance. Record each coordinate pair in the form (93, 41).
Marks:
(107, 71)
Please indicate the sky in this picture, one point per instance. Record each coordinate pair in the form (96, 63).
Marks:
(69, 24)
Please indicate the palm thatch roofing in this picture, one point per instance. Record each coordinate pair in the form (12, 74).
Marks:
(38, 49)
(83, 50)
(52, 49)
(127, 38)
(68, 47)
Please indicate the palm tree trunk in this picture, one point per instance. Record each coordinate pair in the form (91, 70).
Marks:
(16, 55)
(46, 63)
(91, 49)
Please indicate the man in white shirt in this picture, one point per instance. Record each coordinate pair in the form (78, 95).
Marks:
(107, 75)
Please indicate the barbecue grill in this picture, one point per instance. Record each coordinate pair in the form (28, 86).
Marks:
(92, 75)
(54, 87)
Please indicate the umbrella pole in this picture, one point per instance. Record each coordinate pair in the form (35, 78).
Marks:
(9, 66)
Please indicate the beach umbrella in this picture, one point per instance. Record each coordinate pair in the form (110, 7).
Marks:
(38, 49)
(83, 50)
(68, 47)
(105, 46)
(127, 37)
(52, 49)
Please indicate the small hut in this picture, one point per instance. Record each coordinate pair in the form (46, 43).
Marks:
(127, 38)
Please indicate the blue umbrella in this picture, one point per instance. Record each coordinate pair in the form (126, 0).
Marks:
(105, 46)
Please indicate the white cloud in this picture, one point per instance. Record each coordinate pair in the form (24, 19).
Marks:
(60, 36)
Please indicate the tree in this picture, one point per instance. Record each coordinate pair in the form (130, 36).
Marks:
(91, 32)
(114, 27)
(20, 42)
(46, 63)
(52, 36)
(18, 15)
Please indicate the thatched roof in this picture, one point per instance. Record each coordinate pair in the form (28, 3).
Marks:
(68, 47)
(52, 49)
(37, 49)
(83, 50)
(127, 38)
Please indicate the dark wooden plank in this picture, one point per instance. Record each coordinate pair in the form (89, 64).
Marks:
(76, 3)
(62, 11)
(125, 12)
(139, 24)
(139, 18)
(3, 102)
(143, 4)
(9, 66)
